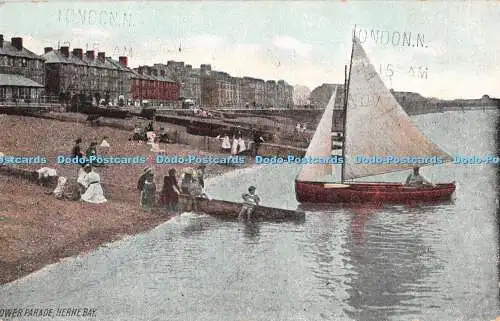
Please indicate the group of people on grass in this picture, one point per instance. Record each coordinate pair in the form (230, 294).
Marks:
(90, 151)
(86, 188)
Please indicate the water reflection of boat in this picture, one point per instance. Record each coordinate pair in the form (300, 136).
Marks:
(389, 264)
(381, 128)
(324, 207)
(230, 210)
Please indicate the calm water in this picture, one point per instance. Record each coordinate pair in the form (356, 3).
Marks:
(392, 263)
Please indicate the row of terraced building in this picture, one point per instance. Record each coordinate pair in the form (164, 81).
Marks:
(62, 73)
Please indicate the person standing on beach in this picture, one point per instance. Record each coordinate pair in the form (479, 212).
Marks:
(241, 145)
(257, 140)
(226, 143)
(148, 193)
(169, 195)
(234, 147)
(146, 173)
(76, 152)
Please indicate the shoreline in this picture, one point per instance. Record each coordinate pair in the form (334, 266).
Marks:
(37, 229)
(91, 239)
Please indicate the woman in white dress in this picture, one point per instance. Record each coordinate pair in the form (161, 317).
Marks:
(241, 145)
(94, 193)
(226, 143)
(234, 147)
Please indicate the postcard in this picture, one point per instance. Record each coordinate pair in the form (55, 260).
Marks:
(249, 160)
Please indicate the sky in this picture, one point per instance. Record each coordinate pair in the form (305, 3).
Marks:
(443, 49)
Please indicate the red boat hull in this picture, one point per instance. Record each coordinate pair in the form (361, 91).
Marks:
(395, 193)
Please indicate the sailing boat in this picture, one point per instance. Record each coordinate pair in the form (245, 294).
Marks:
(380, 127)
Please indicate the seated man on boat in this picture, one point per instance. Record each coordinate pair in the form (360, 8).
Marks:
(251, 200)
(417, 180)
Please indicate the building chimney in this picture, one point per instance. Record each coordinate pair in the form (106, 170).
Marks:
(1, 41)
(90, 55)
(17, 43)
(78, 53)
(123, 61)
(47, 49)
(101, 56)
(64, 51)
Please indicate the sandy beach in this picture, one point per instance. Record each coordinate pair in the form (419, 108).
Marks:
(36, 229)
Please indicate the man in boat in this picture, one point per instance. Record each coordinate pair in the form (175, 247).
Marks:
(417, 180)
(251, 200)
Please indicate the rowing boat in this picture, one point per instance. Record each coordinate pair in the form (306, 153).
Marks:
(230, 210)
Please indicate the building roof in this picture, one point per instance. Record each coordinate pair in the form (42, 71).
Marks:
(136, 74)
(17, 81)
(90, 62)
(55, 57)
(9, 50)
(118, 65)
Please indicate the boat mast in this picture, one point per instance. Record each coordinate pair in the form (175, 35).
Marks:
(346, 98)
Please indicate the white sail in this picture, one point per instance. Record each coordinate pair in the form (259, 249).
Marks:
(320, 146)
(376, 125)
